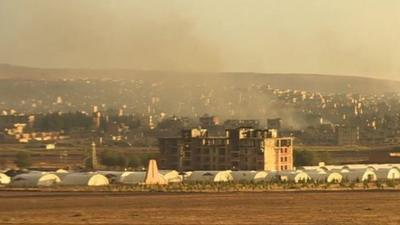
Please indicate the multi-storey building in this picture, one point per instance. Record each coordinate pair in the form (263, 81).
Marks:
(233, 124)
(207, 121)
(278, 154)
(238, 149)
(347, 135)
(274, 123)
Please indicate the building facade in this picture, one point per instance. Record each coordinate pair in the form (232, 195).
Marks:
(238, 149)
(348, 135)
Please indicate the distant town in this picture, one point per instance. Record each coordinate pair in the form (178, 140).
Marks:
(193, 126)
(199, 112)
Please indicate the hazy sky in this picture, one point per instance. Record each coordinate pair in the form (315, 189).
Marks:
(349, 37)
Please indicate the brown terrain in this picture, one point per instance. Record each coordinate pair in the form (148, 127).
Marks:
(297, 208)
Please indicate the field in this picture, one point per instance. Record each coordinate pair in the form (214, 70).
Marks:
(296, 208)
(61, 157)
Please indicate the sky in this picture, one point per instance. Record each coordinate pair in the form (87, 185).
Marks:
(343, 37)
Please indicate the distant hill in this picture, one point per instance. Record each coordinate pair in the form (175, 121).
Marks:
(309, 82)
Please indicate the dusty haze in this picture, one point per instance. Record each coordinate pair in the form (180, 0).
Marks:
(347, 37)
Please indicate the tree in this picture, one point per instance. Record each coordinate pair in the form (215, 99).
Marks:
(303, 158)
(3, 162)
(134, 161)
(113, 159)
(23, 159)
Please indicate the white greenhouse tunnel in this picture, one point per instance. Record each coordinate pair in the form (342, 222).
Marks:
(85, 179)
(35, 179)
(4, 179)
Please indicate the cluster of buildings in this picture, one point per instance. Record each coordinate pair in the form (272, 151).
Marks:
(235, 145)
(315, 118)
(19, 133)
(344, 119)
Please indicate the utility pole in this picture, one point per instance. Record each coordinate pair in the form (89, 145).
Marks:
(94, 156)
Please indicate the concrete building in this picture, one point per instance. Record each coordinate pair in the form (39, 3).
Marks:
(238, 149)
(278, 154)
(233, 124)
(274, 123)
(207, 121)
(194, 150)
(348, 135)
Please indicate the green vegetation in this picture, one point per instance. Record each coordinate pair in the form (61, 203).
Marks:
(238, 187)
(115, 159)
(23, 160)
(303, 158)
(64, 121)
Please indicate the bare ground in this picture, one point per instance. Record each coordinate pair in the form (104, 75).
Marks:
(272, 208)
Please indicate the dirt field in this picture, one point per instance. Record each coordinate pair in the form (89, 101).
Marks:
(297, 208)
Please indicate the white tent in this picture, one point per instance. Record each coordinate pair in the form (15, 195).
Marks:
(4, 179)
(115, 176)
(133, 178)
(60, 175)
(209, 176)
(388, 173)
(334, 177)
(35, 179)
(396, 165)
(62, 171)
(272, 176)
(356, 167)
(294, 176)
(360, 175)
(172, 176)
(318, 176)
(308, 168)
(249, 176)
(139, 177)
(331, 167)
(243, 176)
(329, 177)
(260, 176)
(85, 179)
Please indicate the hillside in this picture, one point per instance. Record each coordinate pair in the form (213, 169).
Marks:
(309, 82)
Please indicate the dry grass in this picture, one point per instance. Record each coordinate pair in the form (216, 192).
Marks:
(271, 208)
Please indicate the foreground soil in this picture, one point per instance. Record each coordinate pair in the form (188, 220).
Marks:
(274, 208)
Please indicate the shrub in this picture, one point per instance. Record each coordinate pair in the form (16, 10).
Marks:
(23, 160)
